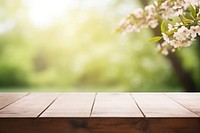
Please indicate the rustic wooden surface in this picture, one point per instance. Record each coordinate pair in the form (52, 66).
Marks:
(99, 112)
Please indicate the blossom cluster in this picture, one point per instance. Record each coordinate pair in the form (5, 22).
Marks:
(183, 37)
(180, 22)
(171, 8)
(140, 19)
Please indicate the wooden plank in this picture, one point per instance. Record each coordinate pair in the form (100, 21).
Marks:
(115, 105)
(159, 105)
(190, 101)
(71, 105)
(29, 106)
(100, 125)
(173, 125)
(8, 98)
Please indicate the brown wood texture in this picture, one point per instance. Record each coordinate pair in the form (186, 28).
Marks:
(100, 125)
(8, 98)
(191, 101)
(99, 113)
(29, 106)
(115, 105)
(71, 105)
(159, 105)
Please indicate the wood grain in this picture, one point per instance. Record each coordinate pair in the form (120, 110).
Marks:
(71, 105)
(115, 105)
(8, 98)
(100, 125)
(29, 106)
(100, 113)
(159, 105)
(190, 101)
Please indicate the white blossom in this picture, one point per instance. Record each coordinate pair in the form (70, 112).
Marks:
(170, 27)
(179, 12)
(192, 2)
(194, 30)
(165, 37)
(178, 24)
(139, 13)
(173, 50)
(153, 23)
(150, 9)
(180, 34)
(165, 51)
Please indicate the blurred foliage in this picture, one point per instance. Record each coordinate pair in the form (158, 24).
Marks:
(81, 52)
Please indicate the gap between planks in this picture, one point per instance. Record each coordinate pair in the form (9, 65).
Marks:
(15, 100)
(93, 104)
(159, 105)
(138, 106)
(115, 105)
(94, 101)
(71, 105)
(28, 106)
(180, 103)
(48, 106)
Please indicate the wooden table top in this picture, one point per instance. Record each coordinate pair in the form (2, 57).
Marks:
(87, 105)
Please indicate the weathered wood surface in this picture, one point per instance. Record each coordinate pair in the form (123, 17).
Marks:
(115, 105)
(159, 105)
(100, 125)
(187, 101)
(8, 98)
(99, 112)
(71, 105)
(29, 106)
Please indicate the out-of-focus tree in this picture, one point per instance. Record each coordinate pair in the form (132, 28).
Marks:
(82, 50)
(184, 77)
(13, 65)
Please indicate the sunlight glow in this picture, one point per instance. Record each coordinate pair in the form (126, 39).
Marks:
(43, 12)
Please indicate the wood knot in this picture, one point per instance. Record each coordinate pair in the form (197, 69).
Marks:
(142, 125)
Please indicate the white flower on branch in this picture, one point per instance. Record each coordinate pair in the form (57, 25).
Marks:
(194, 30)
(153, 23)
(170, 27)
(182, 33)
(182, 22)
(179, 12)
(139, 13)
(165, 37)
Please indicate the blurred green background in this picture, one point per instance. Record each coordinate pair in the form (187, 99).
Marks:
(65, 45)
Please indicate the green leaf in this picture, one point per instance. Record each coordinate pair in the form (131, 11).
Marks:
(185, 20)
(193, 11)
(188, 16)
(163, 27)
(155, 39)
